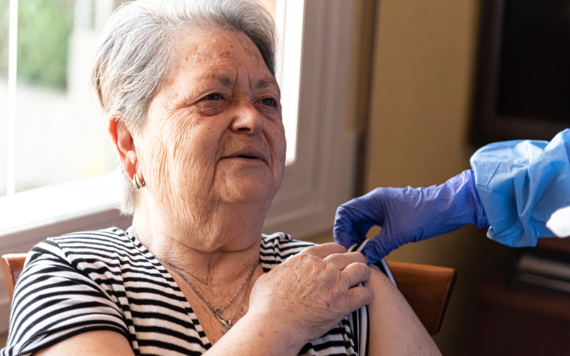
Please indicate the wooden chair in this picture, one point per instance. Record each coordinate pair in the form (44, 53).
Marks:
(426, 288)
(12, 266)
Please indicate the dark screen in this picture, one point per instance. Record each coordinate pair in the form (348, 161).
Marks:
(534, 72)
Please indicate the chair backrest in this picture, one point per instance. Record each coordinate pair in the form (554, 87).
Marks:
(12, 266)
(427, 289)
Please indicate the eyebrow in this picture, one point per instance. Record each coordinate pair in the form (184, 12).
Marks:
(225, 80)
(229, 82)
(264, 83)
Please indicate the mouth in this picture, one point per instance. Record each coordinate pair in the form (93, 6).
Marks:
(252, 155)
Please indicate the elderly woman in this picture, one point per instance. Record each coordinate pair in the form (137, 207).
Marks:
(195, 117)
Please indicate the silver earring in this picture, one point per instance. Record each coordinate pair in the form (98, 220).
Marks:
(137, 183)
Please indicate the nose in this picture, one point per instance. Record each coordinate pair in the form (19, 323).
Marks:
(247, 119)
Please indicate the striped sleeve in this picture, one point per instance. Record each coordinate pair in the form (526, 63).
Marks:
(358, 319)
(54, 301)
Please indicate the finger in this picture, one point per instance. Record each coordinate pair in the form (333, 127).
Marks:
(348, 239)
(355, 273)
(359, 297)
(341, 260)
(346, 230)
(379, 247)
(325, 250)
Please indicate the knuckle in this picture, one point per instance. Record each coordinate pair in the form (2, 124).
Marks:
(324, 250)
(308, 250)
(364, 270)
(310, 260)
(367, 295)
(336, 258)
(357, 273)
(361, 257)
(295, 258)
(300, 259)
(332, 248)
(337, 246)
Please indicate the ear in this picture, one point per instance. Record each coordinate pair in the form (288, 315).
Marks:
(124, 144)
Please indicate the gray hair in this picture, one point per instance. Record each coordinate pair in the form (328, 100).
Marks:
(137, 45)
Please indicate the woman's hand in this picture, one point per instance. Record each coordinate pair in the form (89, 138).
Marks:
(312, 291)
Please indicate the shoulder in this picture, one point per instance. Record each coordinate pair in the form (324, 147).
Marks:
(86, 258)
(394, 327)
(85, 247)
(277, 247)
(98, 260)
(111, 238)
(66, 288)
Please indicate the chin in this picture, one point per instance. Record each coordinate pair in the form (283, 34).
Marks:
(251, 191)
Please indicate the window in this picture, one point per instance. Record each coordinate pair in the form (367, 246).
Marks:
(4, 25)
(52, 131)
(57, 197)
(315, 59)
(288, 16)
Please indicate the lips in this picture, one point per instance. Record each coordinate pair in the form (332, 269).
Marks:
(252, 154)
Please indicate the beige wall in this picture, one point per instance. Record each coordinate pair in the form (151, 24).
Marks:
(418, 124)
(422, 69)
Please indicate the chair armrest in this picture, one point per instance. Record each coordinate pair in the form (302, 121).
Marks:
(12, 267)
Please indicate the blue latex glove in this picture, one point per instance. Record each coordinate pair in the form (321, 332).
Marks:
(521, 183)
(408, 215)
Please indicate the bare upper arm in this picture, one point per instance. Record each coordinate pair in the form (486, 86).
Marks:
(93, 343)
(394, 327)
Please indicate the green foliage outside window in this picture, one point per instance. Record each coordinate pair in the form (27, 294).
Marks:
(4, 21)
(44, 27)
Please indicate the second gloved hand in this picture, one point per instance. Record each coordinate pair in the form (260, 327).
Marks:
(408, 215)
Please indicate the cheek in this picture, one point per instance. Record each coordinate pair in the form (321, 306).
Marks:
(184, 149)
(280, 144)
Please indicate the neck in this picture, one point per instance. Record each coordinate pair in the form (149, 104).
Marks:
(215, 249)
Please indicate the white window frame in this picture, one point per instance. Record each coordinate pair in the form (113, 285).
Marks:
(320, 178)
(322, 174)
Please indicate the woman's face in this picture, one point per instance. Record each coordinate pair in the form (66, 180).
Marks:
(214, 132)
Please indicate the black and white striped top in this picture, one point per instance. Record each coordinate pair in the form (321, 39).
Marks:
(107, 280)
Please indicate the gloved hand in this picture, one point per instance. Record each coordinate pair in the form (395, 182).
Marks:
(408, 215)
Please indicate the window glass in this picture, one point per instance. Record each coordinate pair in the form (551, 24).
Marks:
(58, 134)
(4, 26)
(288, 15)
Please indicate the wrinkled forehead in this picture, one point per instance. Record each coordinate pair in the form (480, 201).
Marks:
(214, 51)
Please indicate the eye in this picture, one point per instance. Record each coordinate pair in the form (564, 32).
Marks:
(214, 96)
(268, 101)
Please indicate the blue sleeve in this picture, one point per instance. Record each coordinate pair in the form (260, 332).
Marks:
(521, 183)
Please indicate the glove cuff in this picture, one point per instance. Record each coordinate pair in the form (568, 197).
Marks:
(480, 216)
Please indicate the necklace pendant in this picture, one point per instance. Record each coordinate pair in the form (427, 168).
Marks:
(225, 322)
(217, 311)
(227, 328)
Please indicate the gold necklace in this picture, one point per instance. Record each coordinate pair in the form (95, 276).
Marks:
(226, 323)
